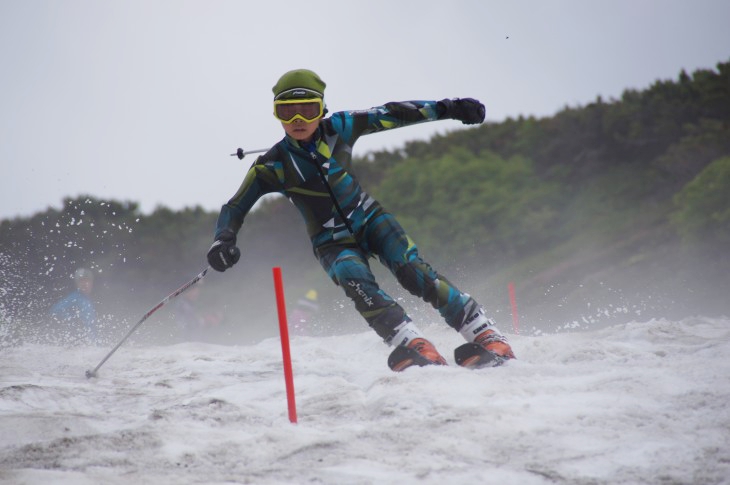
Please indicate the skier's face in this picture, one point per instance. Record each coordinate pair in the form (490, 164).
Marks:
(85, 285)
(301, 130)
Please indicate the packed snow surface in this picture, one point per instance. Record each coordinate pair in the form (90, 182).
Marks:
(644, 402)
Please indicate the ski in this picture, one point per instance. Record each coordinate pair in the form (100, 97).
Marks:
(470, 356)
(474, 356)
(403, 357)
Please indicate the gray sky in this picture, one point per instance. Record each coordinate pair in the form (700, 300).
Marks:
(144, 100)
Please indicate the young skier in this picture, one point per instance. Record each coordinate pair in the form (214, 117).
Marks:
(311, 166)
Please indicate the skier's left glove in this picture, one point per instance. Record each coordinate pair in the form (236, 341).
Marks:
(467, 110)
(223, 253)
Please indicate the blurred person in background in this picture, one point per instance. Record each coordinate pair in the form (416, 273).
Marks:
(193, 324)
(77, 311)
(303, 315)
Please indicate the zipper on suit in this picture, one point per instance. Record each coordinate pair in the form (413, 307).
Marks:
(323, 176)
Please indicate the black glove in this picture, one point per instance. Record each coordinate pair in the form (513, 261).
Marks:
(467, 110)
(223, 253)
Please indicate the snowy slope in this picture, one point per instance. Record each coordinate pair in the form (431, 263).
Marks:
(645, 402)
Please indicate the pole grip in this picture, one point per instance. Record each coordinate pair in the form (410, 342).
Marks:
(286, 354)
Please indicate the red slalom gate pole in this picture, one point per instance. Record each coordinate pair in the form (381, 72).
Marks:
(284, 332)
(513, 303)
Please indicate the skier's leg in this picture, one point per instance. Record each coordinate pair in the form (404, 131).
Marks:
(399, 253)
(348, 267)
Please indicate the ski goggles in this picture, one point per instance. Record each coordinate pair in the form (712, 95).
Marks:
(289, 110)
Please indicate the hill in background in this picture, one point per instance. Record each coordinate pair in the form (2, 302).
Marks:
(615, 211)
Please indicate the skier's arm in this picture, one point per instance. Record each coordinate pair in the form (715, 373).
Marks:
(259, 180)
(405, 113)
(62, 309)
(386, 117)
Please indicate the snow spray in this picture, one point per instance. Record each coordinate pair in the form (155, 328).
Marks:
(513, 303)
(284, 332)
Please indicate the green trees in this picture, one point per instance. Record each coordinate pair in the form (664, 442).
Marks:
(627, 179)
(703, 205)
(472, 204)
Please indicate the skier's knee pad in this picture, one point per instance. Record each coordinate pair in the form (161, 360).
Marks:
(418, 278)
(350, 267)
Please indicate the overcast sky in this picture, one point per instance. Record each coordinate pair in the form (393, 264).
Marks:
(144, 100)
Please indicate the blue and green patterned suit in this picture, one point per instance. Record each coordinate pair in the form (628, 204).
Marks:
(345, 224)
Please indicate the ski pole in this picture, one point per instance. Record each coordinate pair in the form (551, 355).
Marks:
(240, 153)
(183, 288)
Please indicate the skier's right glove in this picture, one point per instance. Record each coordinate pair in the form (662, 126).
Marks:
(223, 253)
(467, 110)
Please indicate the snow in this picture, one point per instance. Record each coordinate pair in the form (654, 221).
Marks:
(643, 402)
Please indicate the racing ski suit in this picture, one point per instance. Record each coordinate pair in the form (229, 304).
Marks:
(346, 225)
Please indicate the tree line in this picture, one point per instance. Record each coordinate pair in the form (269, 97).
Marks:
(546, 201)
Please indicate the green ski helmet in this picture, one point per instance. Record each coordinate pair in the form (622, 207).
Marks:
(299, 83)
